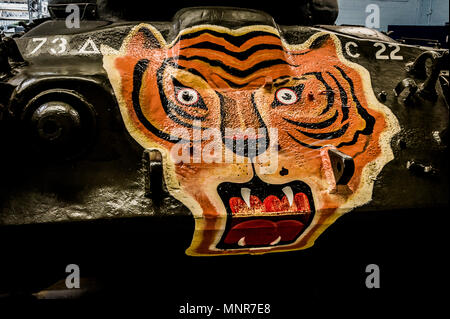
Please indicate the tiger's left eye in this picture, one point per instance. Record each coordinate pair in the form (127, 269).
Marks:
(187, 96)
(286, 96)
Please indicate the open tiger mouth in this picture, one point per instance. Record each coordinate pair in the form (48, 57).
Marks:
(264, 215)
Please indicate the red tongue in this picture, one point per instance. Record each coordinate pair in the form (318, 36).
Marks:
(263, 232)
(289, 229)
(256, 232)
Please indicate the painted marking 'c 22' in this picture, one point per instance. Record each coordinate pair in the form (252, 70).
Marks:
(351, 48)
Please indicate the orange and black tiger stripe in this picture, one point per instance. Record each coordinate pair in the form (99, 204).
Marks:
(245, 62)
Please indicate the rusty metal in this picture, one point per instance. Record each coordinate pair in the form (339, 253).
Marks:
(409, 86)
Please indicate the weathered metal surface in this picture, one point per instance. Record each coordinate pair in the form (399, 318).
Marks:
(101, 175)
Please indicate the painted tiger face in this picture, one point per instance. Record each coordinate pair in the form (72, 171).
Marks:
(266, 143)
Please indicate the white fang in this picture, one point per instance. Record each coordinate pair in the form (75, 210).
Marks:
(289, 194)
(245, 193)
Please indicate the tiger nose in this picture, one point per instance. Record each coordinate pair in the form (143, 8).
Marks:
(243, 130)
(246, 143)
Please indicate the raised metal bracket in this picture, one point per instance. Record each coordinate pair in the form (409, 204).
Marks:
(343, 166)
(428, 66)
(406, 84)
(153, 174)
(338, 169)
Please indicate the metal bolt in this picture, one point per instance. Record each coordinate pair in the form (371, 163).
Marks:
(56, 121)
(382, 96)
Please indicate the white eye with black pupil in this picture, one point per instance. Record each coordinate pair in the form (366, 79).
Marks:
(187, 96)
(286, 96)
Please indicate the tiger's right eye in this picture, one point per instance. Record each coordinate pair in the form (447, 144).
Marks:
(187, 96)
